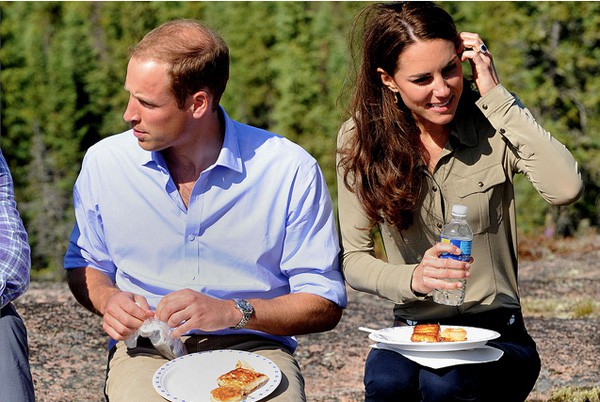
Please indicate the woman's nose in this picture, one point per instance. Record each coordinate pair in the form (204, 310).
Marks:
(441, 88)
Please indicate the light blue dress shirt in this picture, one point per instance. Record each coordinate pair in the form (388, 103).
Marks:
(259, 223)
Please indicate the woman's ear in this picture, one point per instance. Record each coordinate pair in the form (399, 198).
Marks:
(387, 80)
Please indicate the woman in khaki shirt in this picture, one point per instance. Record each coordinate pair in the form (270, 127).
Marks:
(419, 141)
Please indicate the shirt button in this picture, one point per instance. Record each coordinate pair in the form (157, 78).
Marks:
(484, 107)
(434, 189)
(502, 131)
(480, 184)
(439, 225)
(191, 237)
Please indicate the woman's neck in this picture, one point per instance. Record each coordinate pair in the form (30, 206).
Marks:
(433, 143)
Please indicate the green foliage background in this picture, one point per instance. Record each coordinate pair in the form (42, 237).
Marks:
(63, 66)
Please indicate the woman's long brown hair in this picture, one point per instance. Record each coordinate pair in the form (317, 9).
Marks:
(383, 161)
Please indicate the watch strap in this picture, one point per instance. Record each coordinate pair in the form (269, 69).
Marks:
(247, 311)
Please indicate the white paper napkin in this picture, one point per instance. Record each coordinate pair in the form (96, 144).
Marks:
(436, 360)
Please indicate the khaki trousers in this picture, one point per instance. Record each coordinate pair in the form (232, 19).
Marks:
(129, 372)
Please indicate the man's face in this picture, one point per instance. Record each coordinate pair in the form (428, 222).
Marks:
(152, 110)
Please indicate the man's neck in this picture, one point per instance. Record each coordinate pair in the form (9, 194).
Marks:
(187, 161)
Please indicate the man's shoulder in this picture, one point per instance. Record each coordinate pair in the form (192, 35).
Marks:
(124, 139)
(269, 144)
(122, 143)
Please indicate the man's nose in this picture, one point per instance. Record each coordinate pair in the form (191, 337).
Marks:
(131, 114)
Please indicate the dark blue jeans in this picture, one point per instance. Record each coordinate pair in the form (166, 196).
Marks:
(15, 377)
(389, 376)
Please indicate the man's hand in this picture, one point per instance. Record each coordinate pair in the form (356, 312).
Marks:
(286, 315)
(124, 314)
(186, 310)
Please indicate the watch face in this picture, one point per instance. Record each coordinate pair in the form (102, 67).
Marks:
(247, 311)
(245, 306)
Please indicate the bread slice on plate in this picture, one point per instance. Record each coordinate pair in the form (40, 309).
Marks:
(426, 333)
(237, 383)
(227, 394)
(453, 335)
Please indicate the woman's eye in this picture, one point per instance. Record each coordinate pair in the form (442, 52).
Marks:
(448, 71)
(421, 80)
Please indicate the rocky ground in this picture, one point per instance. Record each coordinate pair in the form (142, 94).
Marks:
(560, 284)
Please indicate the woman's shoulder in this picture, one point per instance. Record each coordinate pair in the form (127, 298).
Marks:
(346, 131)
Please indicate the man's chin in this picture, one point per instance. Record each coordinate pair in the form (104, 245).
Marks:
(147, 145)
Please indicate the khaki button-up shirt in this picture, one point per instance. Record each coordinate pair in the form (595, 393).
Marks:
(490, 142)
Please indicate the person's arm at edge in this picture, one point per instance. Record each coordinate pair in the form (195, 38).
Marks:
(15, 264)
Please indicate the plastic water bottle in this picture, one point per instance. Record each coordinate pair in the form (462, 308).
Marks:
(456, 232)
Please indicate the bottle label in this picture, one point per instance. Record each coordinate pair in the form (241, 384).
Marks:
(463, 245)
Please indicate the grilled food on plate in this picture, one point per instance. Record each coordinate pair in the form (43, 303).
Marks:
(237, 383)
(434, 333)
(426, 333)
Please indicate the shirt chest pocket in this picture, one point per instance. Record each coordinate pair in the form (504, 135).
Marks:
(482, 192)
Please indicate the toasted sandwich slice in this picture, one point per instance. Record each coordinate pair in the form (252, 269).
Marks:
(453, 335)
(426, 333)
(237, 383)
(227, 394)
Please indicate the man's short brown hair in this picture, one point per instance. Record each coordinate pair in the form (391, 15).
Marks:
(197, 57)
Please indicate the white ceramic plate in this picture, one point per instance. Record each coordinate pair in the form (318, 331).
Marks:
(190, 378)
(400, 337)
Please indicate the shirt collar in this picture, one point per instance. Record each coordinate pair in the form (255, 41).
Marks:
(463, 126)
(229, 156)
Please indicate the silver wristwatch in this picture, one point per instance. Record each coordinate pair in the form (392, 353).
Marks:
(247, 311)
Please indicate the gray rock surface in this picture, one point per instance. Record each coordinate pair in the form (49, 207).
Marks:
(68, 348)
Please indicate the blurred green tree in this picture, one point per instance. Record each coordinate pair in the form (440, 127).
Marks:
(63, 66)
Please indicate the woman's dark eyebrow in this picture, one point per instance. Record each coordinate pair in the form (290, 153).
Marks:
(424, 75)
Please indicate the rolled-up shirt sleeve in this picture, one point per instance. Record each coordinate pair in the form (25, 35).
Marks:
(547, 163)
(86, 244)
(311, 249)
(15, 258)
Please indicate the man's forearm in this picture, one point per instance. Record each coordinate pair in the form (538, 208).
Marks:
(91, 288)
(295, 314)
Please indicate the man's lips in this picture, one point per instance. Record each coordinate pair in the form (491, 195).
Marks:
(138, 134)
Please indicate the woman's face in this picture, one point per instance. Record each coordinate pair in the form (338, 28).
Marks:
(429, 80)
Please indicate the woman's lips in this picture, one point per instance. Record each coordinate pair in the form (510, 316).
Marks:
(442, 106)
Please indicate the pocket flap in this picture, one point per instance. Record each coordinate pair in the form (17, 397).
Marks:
(479, 182)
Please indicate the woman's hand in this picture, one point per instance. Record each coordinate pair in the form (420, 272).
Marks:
(432, 270)
(482, 64)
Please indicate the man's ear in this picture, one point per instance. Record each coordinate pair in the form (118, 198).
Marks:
(387, 80)
(201, 102)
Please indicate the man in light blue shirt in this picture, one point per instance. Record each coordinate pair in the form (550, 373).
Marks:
(222, 230)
